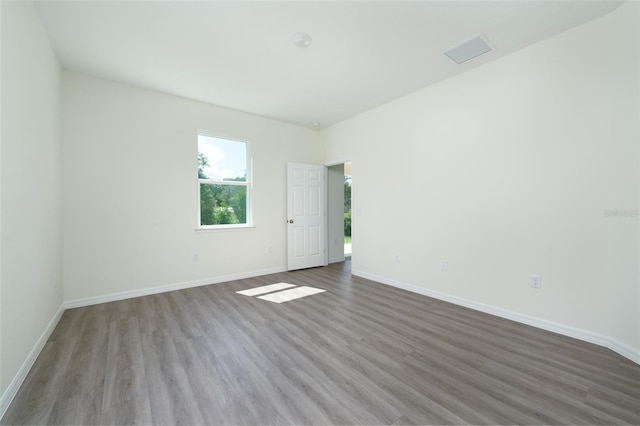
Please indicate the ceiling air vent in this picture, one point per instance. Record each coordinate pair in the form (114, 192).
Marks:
(469, 49)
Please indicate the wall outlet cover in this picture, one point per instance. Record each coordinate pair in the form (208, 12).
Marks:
(536, 281)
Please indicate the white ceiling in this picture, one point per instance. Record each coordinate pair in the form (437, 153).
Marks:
(240, 54)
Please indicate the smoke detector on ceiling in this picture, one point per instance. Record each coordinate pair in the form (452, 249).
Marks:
(301, 40)
(469, 49)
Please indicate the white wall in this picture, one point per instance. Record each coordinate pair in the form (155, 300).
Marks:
(335, 212)
(506, 171)
(130, 190)
(31, 179)
(2, 386)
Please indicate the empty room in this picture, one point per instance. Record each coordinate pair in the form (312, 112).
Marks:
(323, 212)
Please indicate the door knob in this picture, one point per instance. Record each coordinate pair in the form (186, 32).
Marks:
(290, 220)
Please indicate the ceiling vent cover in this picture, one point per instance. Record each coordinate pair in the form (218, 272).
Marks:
(469, 49)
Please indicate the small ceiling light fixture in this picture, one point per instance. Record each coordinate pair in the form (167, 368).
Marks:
(315, 124)
(302, 40)
(469, 49)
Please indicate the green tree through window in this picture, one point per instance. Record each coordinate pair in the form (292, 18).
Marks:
(223, 180)
(347, 206)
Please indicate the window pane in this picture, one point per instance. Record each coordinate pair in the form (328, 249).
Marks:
(222, 159)
(223, 204)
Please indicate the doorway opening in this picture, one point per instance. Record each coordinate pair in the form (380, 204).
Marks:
(339, 221)
(347, 211)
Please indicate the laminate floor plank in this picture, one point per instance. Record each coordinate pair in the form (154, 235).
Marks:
(362, 390)
(311, 384)
(359, 353)
(170, 394)
(263, 401)
(42, 384)
(327, 389)
(213, 330)
(562, 407)
(389, 374)
(126, 397)
(213, 393)
(84, 385)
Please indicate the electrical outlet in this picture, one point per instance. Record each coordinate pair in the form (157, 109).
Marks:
(536, 281)
(397, 258)
(445, 265)
(196, 257)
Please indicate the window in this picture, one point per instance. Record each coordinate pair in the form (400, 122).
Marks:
(223, 177)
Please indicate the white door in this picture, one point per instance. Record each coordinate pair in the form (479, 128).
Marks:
(306, 221)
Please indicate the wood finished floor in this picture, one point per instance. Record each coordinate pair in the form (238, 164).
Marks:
(360, 353)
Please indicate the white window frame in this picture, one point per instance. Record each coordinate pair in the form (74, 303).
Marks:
(248, 184)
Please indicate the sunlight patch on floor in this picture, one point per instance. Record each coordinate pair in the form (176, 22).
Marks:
(265, 289)
(292, 294)
(277, 296)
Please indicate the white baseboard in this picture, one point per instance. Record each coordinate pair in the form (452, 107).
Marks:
(566, 330)
(87, 301)
(14, 386)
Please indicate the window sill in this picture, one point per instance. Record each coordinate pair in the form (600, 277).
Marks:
(224, 228)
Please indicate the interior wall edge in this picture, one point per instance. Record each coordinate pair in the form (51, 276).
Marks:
(563, 329)
(18, 379)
